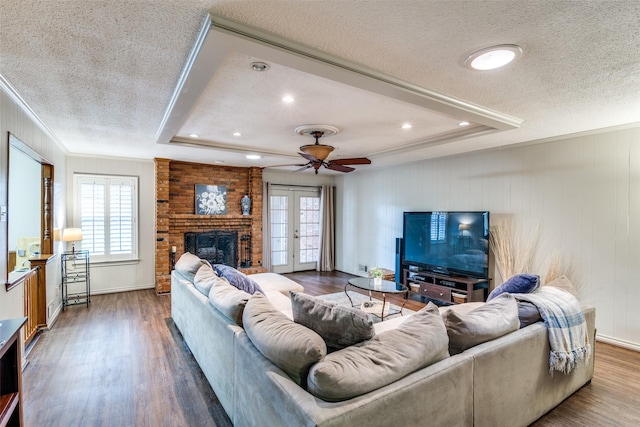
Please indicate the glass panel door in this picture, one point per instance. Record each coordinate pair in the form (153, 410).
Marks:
(295, 229)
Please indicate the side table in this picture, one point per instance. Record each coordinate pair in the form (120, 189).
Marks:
(76, 286)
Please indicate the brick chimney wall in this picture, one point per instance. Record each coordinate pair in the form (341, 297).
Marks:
(175, 209)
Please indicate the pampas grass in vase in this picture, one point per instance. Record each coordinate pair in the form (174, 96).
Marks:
(513, 250)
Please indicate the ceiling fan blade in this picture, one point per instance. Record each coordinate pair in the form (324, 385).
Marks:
(304, 167)
(309, 157)
(339, 168)
(351, 161)
(288, 164)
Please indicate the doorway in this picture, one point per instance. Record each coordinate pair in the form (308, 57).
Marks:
(295, 229)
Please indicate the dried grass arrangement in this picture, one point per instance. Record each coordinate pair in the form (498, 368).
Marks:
(514, 251)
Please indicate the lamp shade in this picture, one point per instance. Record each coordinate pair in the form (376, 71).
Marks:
(463, 227)
(319, 151)
(71, 234)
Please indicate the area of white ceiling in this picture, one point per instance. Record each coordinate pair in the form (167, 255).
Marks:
(100, 75)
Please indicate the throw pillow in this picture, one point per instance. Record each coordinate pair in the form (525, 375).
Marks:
(204, 279)
(518, 284)
(527, 313)
(387, 357)
(338, 325)
(188, 265)
(494, 319)
(228, 300)
(290, 346)
(565, 284)
(237, 278)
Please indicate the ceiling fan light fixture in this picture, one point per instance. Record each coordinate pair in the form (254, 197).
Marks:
(319, 151)
(493, 57)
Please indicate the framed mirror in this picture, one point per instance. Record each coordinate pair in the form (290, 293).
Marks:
(29, 232)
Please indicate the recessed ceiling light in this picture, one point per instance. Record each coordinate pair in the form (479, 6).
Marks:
(464, 124)
(237, 134)
(253, 156)
(259, 66)
(493, 57)
(194, 135)
(287, 99)
(217, 162)
(406, 126)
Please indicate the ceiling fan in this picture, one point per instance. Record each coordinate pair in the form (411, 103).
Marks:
(317, 153)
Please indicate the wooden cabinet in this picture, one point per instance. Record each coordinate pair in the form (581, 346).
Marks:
(447, 289)
(11, 372)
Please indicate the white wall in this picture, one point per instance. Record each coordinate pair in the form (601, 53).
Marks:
(296, 178)
(583, 192)
(122, 276)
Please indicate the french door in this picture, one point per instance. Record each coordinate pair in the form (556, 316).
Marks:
(295, 229)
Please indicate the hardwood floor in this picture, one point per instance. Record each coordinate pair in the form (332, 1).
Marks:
(121, 362)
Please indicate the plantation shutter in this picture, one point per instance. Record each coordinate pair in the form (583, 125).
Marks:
(438, 227)
(106, 210)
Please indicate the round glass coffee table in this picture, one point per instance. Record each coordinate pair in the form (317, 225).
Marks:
(384, 288)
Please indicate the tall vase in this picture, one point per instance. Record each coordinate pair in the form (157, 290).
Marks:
(377, 281)
(245, 202)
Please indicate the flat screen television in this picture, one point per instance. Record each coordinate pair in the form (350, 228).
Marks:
(450, 243)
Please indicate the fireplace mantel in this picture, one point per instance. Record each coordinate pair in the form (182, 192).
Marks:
(182, 220)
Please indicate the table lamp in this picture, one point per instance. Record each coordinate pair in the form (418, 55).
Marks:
(72, 235)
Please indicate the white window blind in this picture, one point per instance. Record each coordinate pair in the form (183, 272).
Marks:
(106, 211)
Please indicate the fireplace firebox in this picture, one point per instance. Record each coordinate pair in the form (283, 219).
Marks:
(216, 246)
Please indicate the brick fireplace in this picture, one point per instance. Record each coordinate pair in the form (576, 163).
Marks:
(176, 218)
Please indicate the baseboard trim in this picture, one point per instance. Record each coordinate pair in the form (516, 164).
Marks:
(122, 289)
(618, 342)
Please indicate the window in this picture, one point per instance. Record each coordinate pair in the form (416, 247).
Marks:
(438, 227)
(106, 210)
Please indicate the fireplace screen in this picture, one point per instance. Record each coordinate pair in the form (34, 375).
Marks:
(217, 247)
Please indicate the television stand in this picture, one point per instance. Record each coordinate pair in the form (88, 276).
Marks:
(447, 289)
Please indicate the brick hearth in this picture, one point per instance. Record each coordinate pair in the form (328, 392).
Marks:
(175, 209)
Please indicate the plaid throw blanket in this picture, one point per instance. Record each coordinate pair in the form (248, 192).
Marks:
(564, 319)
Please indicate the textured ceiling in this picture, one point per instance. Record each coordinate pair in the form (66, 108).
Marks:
(101, 74)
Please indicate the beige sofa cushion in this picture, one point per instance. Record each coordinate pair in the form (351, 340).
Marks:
(227, 299)
(563, 282)
(188, 265)
(494, 319)
(387, 357)
(204, 278)
(290, 346)
(276, 282)
(338, 325)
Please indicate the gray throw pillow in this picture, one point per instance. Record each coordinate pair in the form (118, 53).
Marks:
(527, 313)
(494, 319)
(227, 299)
(338, 325)
(188, 265)
(290, 346)
(420, 341)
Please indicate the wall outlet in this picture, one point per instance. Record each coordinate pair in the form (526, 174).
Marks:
(362, 267)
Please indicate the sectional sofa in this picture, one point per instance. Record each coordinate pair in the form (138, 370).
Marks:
(502, 382)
